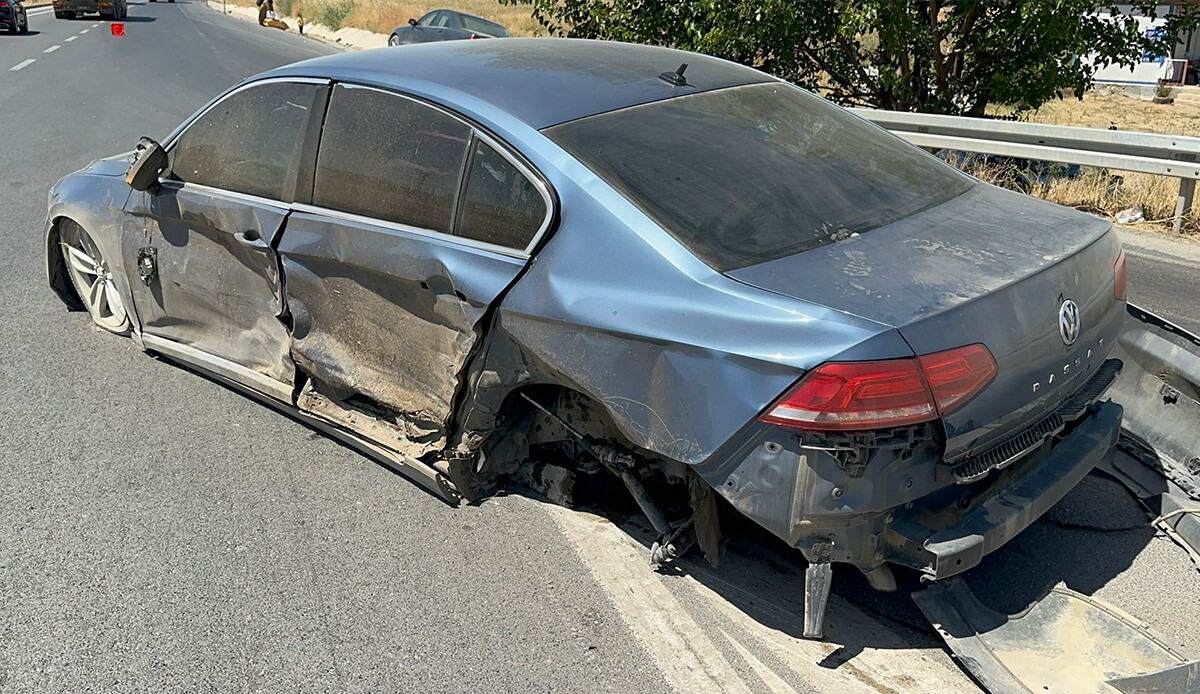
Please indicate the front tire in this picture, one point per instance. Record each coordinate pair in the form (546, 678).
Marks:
(92, 278)
(393, 40)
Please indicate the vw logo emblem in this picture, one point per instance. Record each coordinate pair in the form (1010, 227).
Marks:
(1068, 322)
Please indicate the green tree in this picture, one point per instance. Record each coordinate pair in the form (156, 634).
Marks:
(936, 56)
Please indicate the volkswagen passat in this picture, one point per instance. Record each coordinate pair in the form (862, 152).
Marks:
(625, 266)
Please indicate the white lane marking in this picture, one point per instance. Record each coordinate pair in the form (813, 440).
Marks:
(774, 682)
(53, 48)
(71, 38)
(84, 31)
(886, 661)
(96, 25)
(678, 645)
(22, 65)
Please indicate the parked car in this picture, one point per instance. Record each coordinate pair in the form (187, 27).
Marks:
(446, 25)
(638, 269)
(13, 17)
(107, 9)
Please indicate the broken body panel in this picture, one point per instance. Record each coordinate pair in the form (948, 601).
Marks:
(1158, 456)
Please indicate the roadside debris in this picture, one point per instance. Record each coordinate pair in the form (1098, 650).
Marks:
(1158, 456)
(1065, 642)
(1131, 215)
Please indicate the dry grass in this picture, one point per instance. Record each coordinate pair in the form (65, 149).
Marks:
(381, 16)
(384, 15)
(1123, 112)
(1106, 193)
(1102, 193)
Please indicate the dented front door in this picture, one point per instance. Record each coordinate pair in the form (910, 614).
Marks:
(202, 239)
(213, 280)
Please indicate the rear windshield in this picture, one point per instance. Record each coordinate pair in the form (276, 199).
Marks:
(745, 175)
(483, 26)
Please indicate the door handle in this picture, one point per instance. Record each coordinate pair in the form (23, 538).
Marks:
(249, 237)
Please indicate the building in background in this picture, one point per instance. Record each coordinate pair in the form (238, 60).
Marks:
(1153, 68)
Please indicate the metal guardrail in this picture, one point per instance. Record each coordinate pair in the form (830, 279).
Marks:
(1162, 155)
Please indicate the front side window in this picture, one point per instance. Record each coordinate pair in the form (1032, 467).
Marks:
(390, 158)
(500, 205)
(250, 142)
(428, 19)
(441, 20)
(745, 175)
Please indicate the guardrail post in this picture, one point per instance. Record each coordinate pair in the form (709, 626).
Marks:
(1183, 206)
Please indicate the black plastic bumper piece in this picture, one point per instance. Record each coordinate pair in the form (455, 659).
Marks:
(1011, 508)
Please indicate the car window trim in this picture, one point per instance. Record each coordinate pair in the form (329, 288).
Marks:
(185, 186)
(410, 230)
(173, 138)
(463, 176)
(476, 132)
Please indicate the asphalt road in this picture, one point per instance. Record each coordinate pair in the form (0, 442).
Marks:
(160, 532)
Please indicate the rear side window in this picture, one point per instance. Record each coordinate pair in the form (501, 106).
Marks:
(391, 158)
(746, 175)
(482, 26)
(500, 205)
(248, 143)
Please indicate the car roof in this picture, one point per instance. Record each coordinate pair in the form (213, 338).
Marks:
(540, 81)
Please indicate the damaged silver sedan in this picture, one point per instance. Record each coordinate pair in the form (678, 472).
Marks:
(624, 269)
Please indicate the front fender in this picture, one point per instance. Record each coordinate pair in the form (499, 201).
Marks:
(96, 202)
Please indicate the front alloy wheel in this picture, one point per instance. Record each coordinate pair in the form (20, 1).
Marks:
(393, 40)
(93, 280)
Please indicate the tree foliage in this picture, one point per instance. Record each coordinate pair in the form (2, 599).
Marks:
(936, 56)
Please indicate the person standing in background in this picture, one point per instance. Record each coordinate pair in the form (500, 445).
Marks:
(300, 21)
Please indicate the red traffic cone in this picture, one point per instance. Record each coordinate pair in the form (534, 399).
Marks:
(118, 28)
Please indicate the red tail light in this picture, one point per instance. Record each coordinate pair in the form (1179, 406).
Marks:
(875, 394)
(3, 4)
(957, 374)
(1122, 283)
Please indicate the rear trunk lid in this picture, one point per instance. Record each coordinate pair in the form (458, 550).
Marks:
(989, 266)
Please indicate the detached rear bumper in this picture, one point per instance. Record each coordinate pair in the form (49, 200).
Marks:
(1007, 510)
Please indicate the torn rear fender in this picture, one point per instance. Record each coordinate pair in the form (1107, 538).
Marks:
(1159, 448)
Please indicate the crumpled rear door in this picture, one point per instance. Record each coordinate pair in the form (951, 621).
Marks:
(383, 323)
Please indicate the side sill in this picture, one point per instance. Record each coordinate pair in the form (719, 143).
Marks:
(279, 396)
